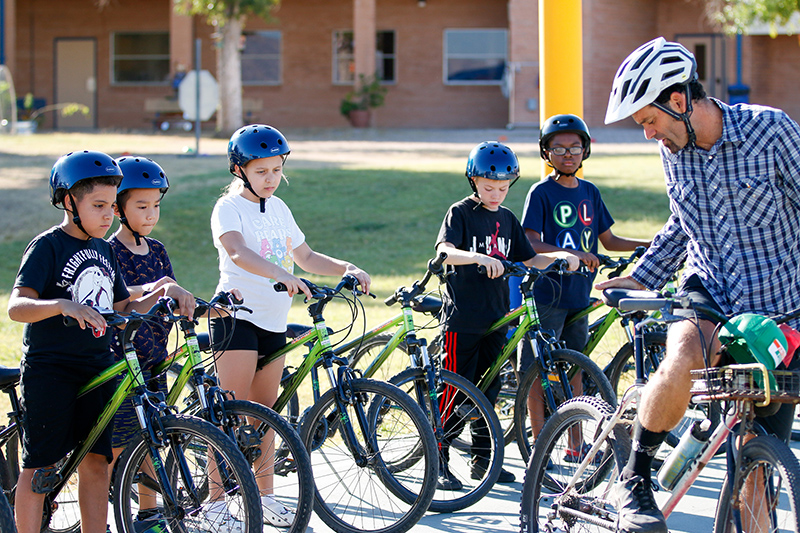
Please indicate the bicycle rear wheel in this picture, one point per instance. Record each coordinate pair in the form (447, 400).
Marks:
(504, 405)
(766, 464)
(458, 397)
(277, 456)
(363, 356)
(355, 491)
(547, 504)
(593, 383)
(211, 482)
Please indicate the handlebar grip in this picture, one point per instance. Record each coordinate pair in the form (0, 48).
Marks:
(391, 300)
(481, 269)
(642, 304)
(70, 322)
(280, 287)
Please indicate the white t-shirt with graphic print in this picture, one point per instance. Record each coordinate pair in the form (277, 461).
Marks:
(274, 235)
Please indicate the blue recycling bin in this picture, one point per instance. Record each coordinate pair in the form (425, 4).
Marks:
(738, 93)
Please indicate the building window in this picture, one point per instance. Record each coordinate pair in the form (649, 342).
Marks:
(140, 58)
(261, 58)
(475, 57)
(344, 64)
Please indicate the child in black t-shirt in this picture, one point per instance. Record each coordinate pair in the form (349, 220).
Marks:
(478, 230)
(69, 270)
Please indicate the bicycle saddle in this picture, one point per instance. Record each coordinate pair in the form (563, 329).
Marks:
(613, 296)
(9, 376)
(427, 304)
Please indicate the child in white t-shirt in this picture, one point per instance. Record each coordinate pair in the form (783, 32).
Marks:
(259, 242)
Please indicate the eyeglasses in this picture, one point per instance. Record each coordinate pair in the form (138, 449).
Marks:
(560, 150)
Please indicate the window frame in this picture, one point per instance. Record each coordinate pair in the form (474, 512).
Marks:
(114, 57)
(446, 56)
(265, 83)
(380, 56)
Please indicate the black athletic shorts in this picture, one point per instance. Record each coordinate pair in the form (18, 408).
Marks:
(243, 335)
(55, 418)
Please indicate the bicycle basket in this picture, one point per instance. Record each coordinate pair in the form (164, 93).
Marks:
(746, 382)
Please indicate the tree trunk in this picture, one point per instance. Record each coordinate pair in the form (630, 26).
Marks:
(229, 72)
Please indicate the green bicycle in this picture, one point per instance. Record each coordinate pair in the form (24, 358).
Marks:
(356, 432)
(184, 495)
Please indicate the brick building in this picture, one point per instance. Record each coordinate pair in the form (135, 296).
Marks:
(446, 63)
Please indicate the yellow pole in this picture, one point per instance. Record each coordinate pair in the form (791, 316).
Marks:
(560, 61)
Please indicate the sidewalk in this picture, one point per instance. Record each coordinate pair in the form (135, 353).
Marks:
(499, 510)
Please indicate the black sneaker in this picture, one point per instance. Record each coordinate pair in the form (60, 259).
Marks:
(479, 470)
(446, 479)
(637, 510)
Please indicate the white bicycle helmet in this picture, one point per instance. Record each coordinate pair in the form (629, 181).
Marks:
(645, 73)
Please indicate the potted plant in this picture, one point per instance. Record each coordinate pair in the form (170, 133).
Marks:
(367, 94)
(30, 117)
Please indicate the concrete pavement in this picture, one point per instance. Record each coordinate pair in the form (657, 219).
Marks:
(499, 510)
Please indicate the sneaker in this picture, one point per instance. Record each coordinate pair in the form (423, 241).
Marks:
(637, 510)
(479, 470)
(576, 456)
(215, 521)
(150, 521)
(446, 479)
(276, 513)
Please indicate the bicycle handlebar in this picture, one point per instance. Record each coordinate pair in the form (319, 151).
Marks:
(435, 267)
(558, 266)
(321, 292)
(621, 263)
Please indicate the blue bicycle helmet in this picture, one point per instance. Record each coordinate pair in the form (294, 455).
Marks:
(564, 124)
(76, 166)
(492, 160)
(255, 141)
(141, 173)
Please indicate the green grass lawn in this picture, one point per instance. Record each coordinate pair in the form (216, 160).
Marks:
(384, 220)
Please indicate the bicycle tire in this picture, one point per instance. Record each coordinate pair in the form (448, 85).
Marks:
(190, 439)
(362, 356)
(355, 498)
(458, 395)
(247, 424)
(543, 490)
(595, 384)
(621, 373)
(504, 405)
(768, 455)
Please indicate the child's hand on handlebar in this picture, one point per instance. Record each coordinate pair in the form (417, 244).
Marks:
(363, 278)
(293, 284)
(494, 267)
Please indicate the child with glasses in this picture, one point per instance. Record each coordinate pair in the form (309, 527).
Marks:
(565, 213)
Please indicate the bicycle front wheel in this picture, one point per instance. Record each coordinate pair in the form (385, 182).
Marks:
(587, 379)
(547, 504)
(211, 484)
(767, 495)
(277, 456)
(355, 491)
(461, 405)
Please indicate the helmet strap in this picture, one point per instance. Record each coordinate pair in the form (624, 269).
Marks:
(76, 219)
(684, 117)
(243, 176)
(124, 221)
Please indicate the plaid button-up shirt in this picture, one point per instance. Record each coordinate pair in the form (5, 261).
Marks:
(735, 214)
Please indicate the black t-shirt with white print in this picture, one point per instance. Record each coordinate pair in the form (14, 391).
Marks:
(57, 265)
(472, 301)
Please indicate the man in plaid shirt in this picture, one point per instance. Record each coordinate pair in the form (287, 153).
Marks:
(733, 181)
